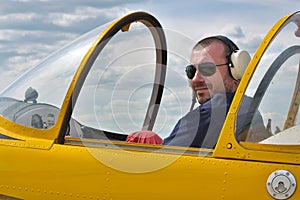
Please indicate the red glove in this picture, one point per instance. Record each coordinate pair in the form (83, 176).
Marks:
(144, 137)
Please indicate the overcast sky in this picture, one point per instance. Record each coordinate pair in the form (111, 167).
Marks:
(31, 29)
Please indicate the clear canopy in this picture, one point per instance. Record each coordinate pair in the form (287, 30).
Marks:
(115, 95)
(274, 88)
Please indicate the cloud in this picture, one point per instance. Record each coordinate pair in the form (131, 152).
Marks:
(84, 14)
(20, 50)
(233, 30)
(31, 30)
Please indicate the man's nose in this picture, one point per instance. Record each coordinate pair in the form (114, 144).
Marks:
(198, 77)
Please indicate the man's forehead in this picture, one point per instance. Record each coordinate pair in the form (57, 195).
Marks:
(201, 54)
(208, 53)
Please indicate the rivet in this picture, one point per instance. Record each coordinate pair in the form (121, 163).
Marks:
(228, 145)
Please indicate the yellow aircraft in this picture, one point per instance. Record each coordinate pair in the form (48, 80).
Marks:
(63, 125)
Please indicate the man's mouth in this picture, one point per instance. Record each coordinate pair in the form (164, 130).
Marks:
(201, 88)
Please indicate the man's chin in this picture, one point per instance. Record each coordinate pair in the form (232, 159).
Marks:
(202, 98)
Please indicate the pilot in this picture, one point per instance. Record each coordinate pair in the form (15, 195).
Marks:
(215, 69)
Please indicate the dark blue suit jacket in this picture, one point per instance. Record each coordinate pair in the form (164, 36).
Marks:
(202, 126)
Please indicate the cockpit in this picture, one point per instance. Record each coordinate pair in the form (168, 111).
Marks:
(114, 80)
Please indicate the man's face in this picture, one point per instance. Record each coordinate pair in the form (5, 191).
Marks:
(206, 86)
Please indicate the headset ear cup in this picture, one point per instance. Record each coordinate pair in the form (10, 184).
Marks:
(240, 60)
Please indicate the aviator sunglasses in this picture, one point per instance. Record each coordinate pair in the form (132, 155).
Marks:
(206, 69)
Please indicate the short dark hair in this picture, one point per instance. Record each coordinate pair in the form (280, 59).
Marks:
(210, 40)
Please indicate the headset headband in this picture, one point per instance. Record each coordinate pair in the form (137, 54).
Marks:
(231, 45)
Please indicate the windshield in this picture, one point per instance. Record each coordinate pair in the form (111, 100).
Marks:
(116, 92)
(44, 86)
(274, 90)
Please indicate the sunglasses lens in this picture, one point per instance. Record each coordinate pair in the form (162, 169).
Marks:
(207, 68)
(190, 71)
